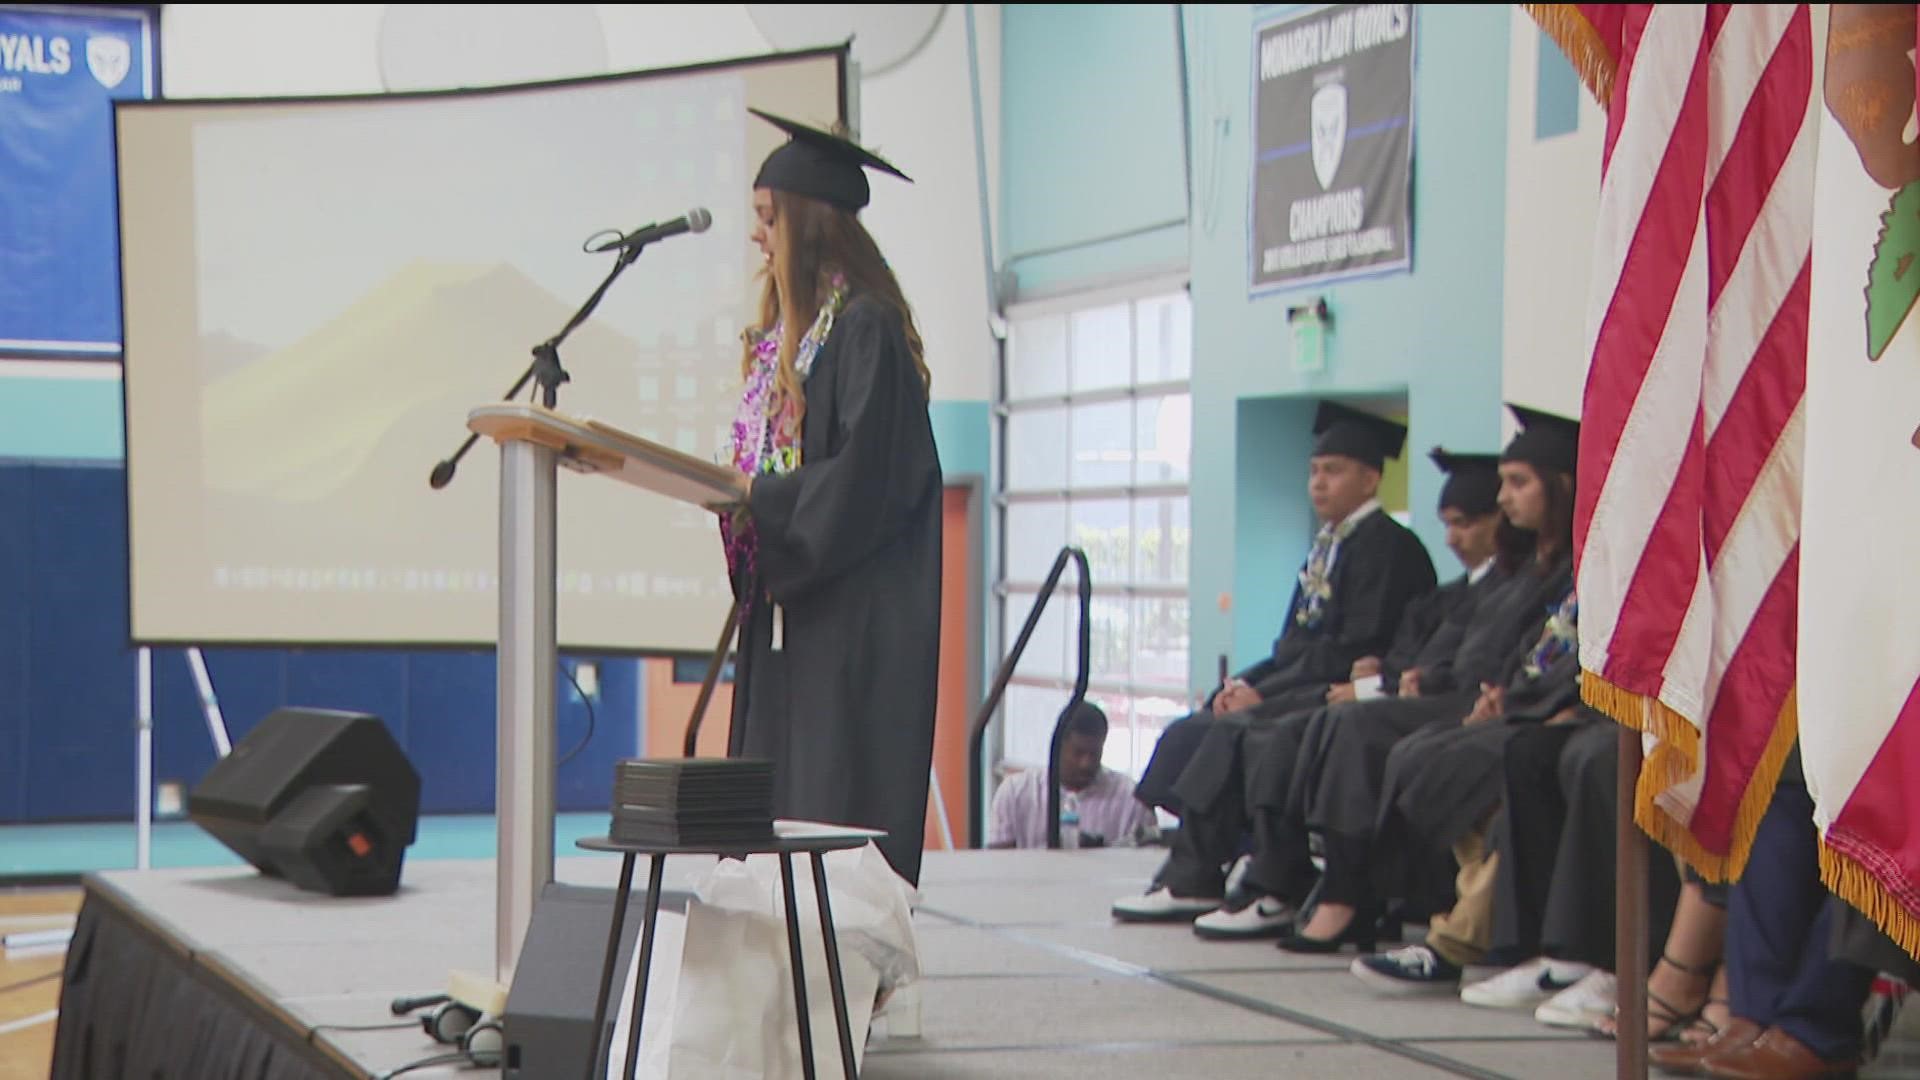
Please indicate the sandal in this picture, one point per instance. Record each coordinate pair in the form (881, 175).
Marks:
(1673, 1022)
(1702, 1029)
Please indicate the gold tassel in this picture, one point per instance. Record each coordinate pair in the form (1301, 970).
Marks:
(1658, 774)
(1675, 757)
(1643, 713)
(1766, 776)
(1850, 882)
(1581, 43)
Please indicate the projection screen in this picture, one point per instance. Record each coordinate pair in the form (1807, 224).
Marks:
(317, 291)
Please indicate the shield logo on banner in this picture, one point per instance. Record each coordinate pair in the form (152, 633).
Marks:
(109, 58)
(1329, 131)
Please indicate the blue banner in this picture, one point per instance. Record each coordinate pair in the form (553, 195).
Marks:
(61, 68)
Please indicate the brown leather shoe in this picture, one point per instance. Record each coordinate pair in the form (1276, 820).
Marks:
(1775, 1055)
(1682, 1059)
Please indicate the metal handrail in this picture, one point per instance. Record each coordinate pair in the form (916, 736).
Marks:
(977, 768)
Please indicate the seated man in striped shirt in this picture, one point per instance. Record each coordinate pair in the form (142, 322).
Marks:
(1109, 814)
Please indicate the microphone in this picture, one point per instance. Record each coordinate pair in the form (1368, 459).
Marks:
(403, 1005)
(695, 220)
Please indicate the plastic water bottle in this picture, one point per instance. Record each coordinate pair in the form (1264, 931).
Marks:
(1069, 821)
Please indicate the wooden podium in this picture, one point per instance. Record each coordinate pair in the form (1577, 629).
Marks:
(534, 444)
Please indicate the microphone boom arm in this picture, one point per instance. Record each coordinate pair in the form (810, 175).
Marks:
(545, 368)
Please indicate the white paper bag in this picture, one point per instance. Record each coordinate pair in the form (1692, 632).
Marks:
(724, 979)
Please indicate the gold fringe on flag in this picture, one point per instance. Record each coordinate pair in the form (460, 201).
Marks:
(1581, 43)
(1675, 757)
(1643, 713)
(1851, 882)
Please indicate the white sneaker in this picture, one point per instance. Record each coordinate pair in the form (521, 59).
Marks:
(1525, 986)
(1238, 873)
(1265, 917)
(1582, 1005)
(1161, 905)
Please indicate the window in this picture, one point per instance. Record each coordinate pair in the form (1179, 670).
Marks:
(1096, 446)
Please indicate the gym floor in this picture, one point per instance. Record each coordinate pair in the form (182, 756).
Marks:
(30, 983)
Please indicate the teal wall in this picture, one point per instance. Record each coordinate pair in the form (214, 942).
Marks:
(1101, 180)
(1432, 335)
(963, 432)
(66, 419)
(79, 420)
(1093, 171)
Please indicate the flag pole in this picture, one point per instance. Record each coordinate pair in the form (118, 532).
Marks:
(1630, 919)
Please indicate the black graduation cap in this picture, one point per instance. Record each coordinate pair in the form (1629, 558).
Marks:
(1362, 436)
(1547, 442)
(1473, 481)
(820, 165)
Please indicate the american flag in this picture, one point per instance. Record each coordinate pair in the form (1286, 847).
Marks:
(1687, 520)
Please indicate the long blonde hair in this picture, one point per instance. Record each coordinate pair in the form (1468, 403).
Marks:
(815, 240)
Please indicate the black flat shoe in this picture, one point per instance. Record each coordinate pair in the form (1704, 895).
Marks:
(1362, 933)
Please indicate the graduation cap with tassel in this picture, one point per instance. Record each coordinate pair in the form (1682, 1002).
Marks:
(1362, 436)
(820, 165)
(1547, 442)
(1473, 481)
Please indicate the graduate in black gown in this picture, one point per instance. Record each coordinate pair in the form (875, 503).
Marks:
(1214, 788)
(1336, 785)
(1363, 571)
(1553, 843)
(1443, 782)
(836, 558)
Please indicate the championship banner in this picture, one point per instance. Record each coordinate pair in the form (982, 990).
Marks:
(1332, 145)
(61, 68)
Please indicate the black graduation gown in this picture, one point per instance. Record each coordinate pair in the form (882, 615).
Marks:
(849, 556)
(1448, 617)
(1555, 836)
(1420, 626)
(1442, 781)
(1216, 792)
(1335, 787)
(1422, 640)
(1377, 572)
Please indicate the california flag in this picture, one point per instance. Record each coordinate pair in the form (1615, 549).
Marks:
(1859, 689)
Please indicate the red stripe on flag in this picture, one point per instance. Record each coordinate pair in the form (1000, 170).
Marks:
(1643, 300)
(1879, 827)
(1770, 390)
(1620, 26)
(1760, 146)
(1657, 599)
(1756, 683)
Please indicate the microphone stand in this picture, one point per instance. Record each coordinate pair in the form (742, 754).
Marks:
(545, 369)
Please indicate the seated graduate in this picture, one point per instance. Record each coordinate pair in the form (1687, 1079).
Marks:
(1363, 570)
(1442, 788)
(1334, 785)
(1554, 856)
(1211, 787)
(1109, 814)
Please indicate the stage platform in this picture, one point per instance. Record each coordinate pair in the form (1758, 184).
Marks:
(1026, 976)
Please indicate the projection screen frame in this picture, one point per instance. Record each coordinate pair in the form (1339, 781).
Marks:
(846, 103)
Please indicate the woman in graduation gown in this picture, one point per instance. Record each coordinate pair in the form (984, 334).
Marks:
(835, 558)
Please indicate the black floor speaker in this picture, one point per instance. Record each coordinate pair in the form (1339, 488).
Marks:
(326, 800)
(549, 1018)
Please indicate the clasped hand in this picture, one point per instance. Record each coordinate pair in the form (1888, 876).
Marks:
(1492, 703)
(1234, 696)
